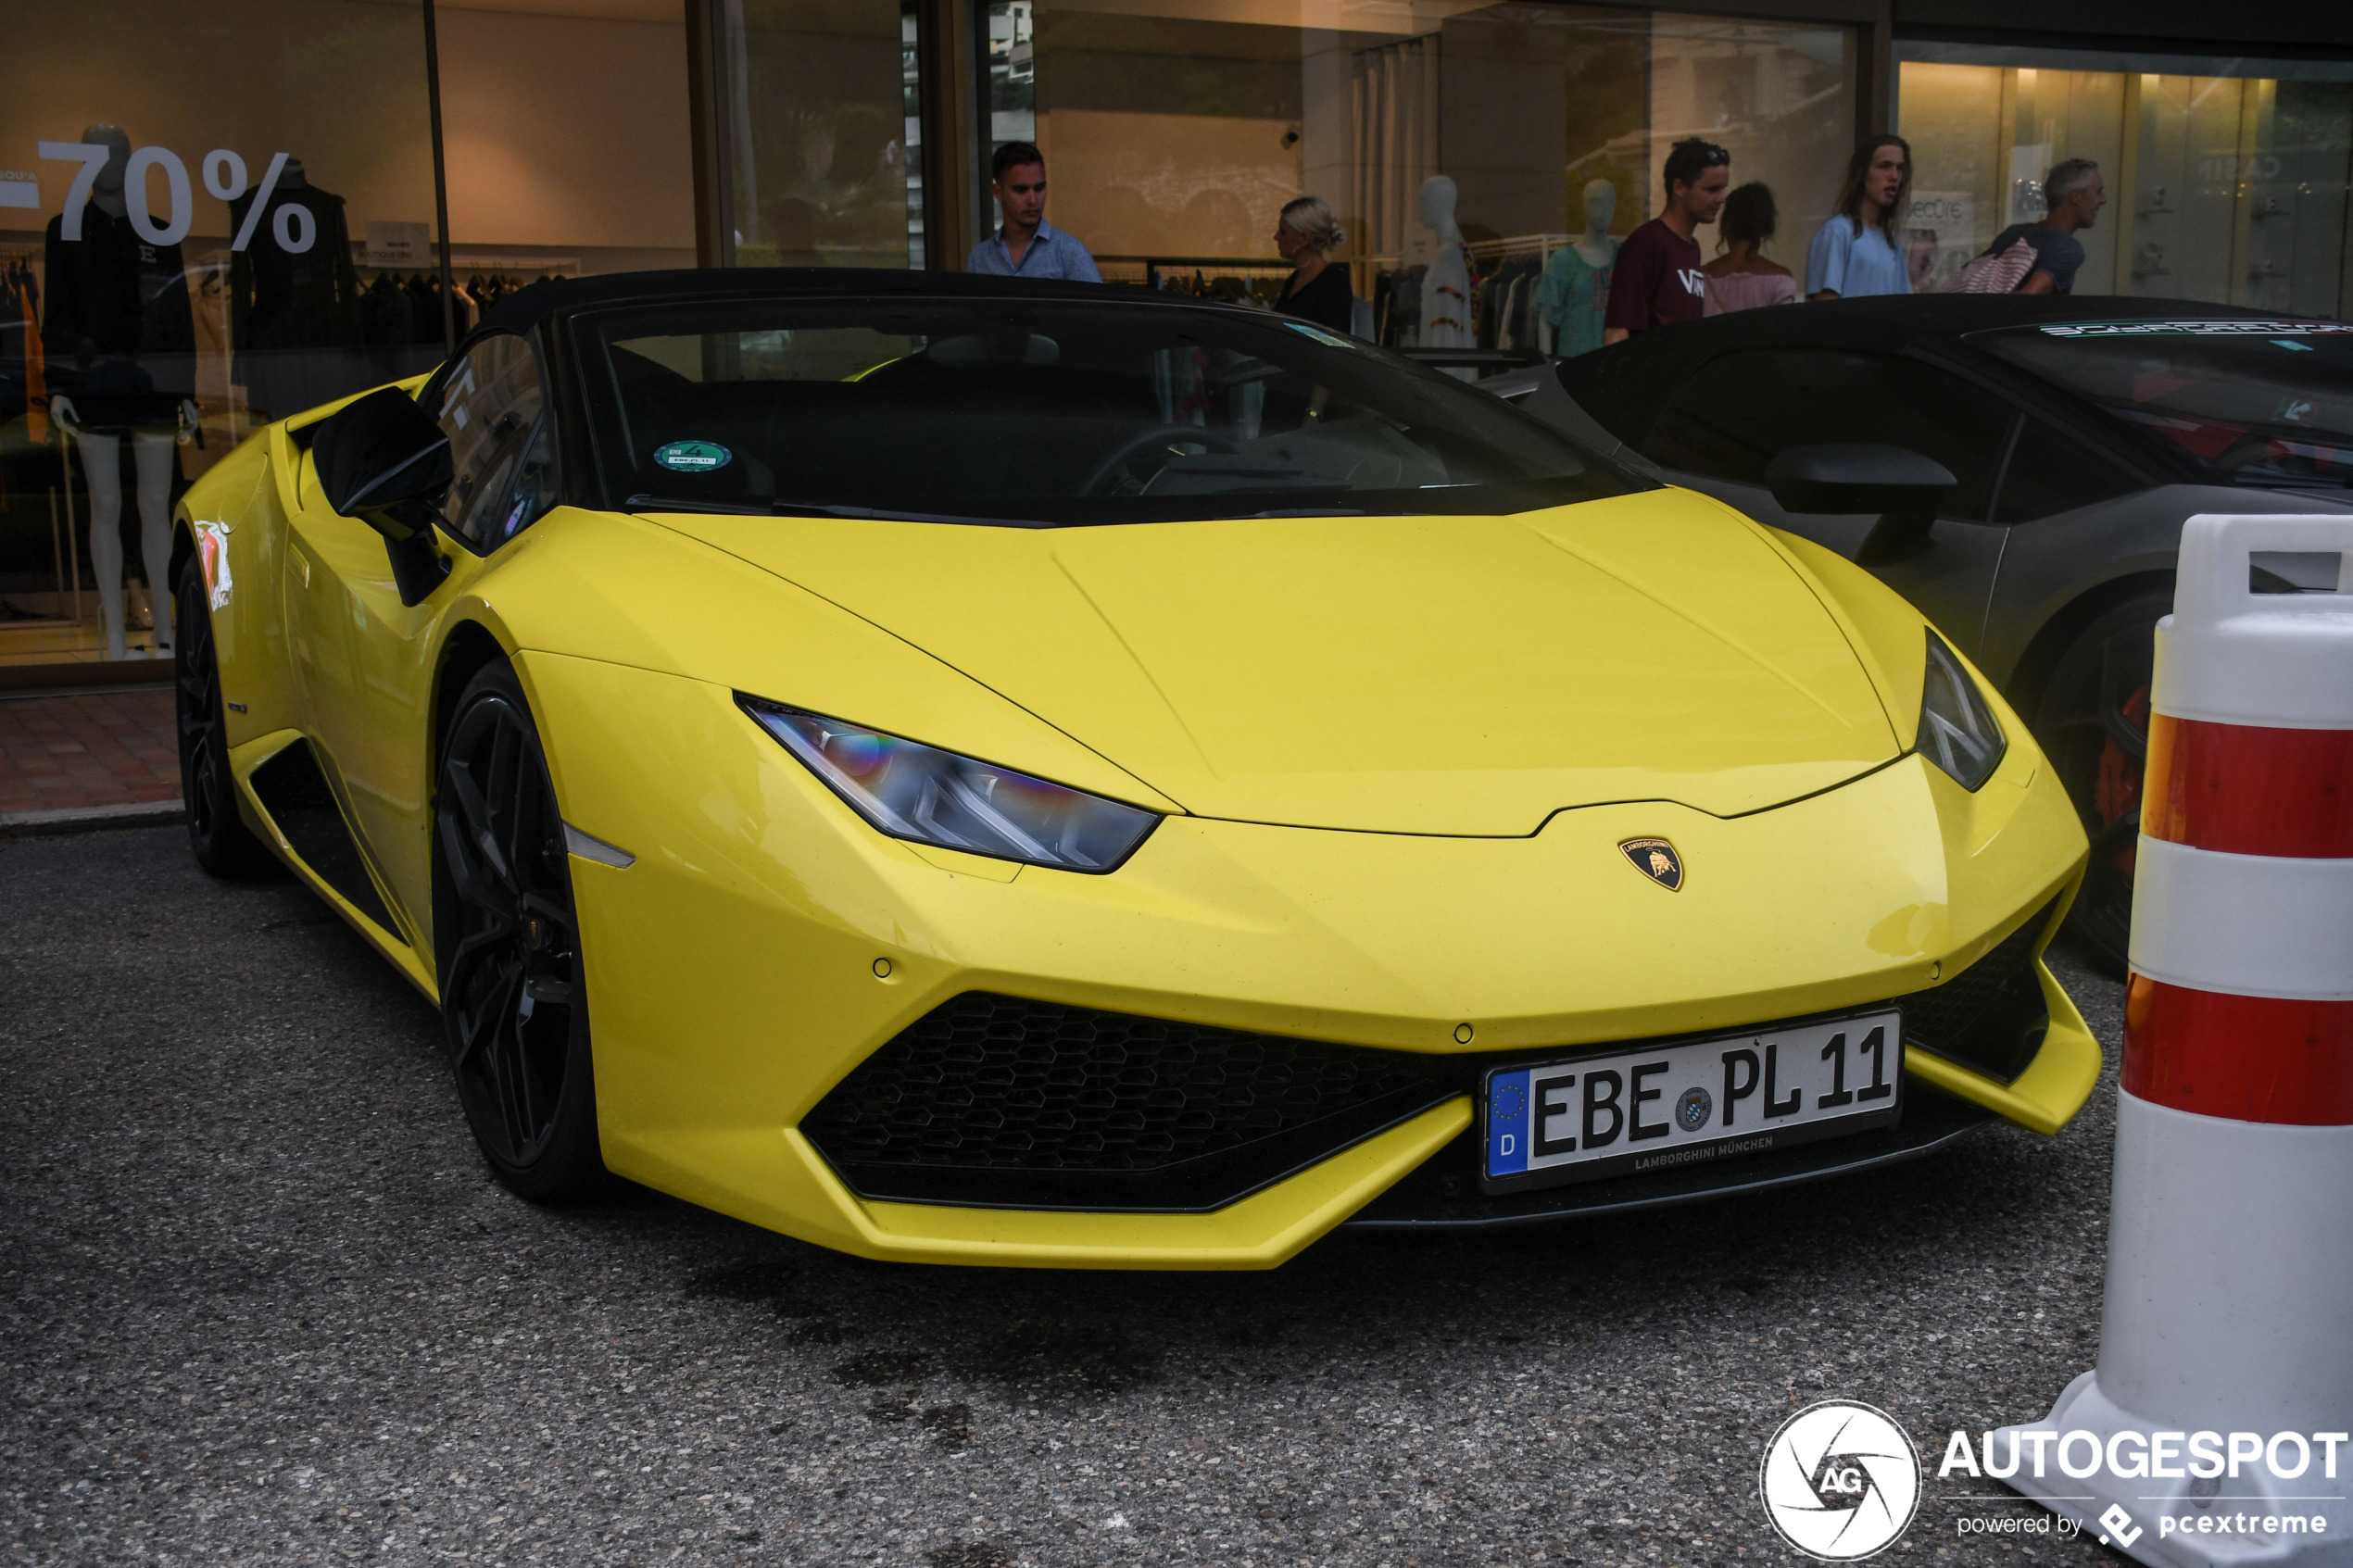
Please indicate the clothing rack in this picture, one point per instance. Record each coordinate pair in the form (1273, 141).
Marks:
(1505, 273)
(1235, 279)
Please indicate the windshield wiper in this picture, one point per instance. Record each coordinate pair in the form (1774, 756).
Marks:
(820, 509)
(678, 504)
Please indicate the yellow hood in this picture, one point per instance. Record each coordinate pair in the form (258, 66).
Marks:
(1458, 675)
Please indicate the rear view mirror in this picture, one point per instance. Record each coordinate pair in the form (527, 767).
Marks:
(384, 460)
(1904, 487)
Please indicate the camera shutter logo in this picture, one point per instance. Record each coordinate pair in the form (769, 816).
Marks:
(1840, 1481)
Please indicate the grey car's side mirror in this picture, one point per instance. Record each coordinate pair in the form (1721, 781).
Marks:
(382, 461)
(1903, 487)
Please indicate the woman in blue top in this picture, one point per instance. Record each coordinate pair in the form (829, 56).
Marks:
(1855, 252)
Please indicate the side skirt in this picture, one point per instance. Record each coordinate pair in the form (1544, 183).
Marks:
(287, 794)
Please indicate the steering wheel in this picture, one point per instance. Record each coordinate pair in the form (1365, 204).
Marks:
(1163, 436)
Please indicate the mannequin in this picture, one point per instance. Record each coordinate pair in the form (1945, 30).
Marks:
(286, 306)
(121, 338)
(1575, 292)
(151, 455)
(1446, 315)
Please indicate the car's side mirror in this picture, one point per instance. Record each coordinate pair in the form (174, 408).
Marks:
(382, 461)
(1904, 487)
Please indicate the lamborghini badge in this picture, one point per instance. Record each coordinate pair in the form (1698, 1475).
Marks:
(1656, 859)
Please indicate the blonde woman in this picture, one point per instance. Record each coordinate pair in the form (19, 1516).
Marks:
(1318, 291)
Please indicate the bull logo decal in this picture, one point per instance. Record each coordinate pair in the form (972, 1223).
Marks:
(1656, 859)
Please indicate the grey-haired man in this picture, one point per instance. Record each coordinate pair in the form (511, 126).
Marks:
(2074, 193)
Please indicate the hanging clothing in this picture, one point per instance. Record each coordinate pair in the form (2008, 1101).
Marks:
(295, 299)
(1447, 321)
(36, 380)
(16, 336)
(1574, 296)
(295, 315)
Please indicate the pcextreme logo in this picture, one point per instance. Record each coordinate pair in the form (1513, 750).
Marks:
(1840, 1481)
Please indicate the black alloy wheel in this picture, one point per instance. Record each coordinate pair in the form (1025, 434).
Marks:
(512, 995)
(223, 845)
(2093, 723)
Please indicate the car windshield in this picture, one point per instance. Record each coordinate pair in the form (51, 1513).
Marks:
(2256, 402)
(1045, 413)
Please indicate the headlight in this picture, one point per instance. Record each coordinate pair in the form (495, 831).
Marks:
(1958, 731)
(928, 795)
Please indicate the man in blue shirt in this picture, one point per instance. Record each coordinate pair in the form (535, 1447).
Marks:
(1027, 246)
(1856, 253)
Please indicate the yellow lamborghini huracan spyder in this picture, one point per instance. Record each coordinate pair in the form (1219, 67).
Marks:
(995, 772)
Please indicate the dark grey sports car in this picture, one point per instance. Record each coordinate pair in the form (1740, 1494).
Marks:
(2066, 441)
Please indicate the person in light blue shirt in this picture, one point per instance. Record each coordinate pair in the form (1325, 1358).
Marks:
(1856, 253)
(1027, 246)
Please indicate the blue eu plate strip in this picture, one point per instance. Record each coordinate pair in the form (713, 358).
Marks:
(1507, 1124)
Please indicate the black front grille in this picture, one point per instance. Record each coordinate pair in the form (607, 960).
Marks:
(1991, 1017)
(999, 1101)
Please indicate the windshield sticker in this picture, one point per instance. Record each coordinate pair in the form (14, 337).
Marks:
(2196, 328)
(693, 456)
(1329, 340)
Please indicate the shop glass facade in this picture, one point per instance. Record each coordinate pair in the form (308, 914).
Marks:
(2227, 179)
(211, 217)
(258, 231)
(1175, 129)
(824, 132)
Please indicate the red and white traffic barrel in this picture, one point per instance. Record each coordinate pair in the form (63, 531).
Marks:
(2221, 1407)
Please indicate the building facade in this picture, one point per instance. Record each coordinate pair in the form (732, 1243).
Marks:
(210, 219)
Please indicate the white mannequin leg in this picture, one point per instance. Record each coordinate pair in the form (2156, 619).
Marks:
(102, 473)
(154, 452)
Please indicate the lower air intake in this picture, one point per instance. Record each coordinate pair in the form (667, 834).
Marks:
(999, 1101)
(1990, 1017)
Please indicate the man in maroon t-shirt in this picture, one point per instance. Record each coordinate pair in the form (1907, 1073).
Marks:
(1657, 280)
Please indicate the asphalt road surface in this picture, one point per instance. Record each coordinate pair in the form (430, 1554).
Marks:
(260, 1303)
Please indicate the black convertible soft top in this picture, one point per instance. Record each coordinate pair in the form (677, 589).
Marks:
(526, 307)
(1622, 386)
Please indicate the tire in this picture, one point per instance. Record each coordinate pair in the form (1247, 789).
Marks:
(2093, 723)
(223, 845)
(514, 998)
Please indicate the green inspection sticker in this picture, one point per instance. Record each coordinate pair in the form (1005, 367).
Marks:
(693, 456)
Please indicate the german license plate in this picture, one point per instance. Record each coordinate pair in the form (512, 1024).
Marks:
(1666, 1107)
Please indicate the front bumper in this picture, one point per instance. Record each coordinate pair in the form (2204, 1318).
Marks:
(767, 942)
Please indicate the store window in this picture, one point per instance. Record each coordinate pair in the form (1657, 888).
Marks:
(2226, 179)
(824, 135)
(217, 216)
(1463, 146)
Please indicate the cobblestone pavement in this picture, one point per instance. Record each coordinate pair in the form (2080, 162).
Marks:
(88, 749)
(259, 1304)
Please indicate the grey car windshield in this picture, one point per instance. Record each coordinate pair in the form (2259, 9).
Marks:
(2267, 403)
(1046, 413)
